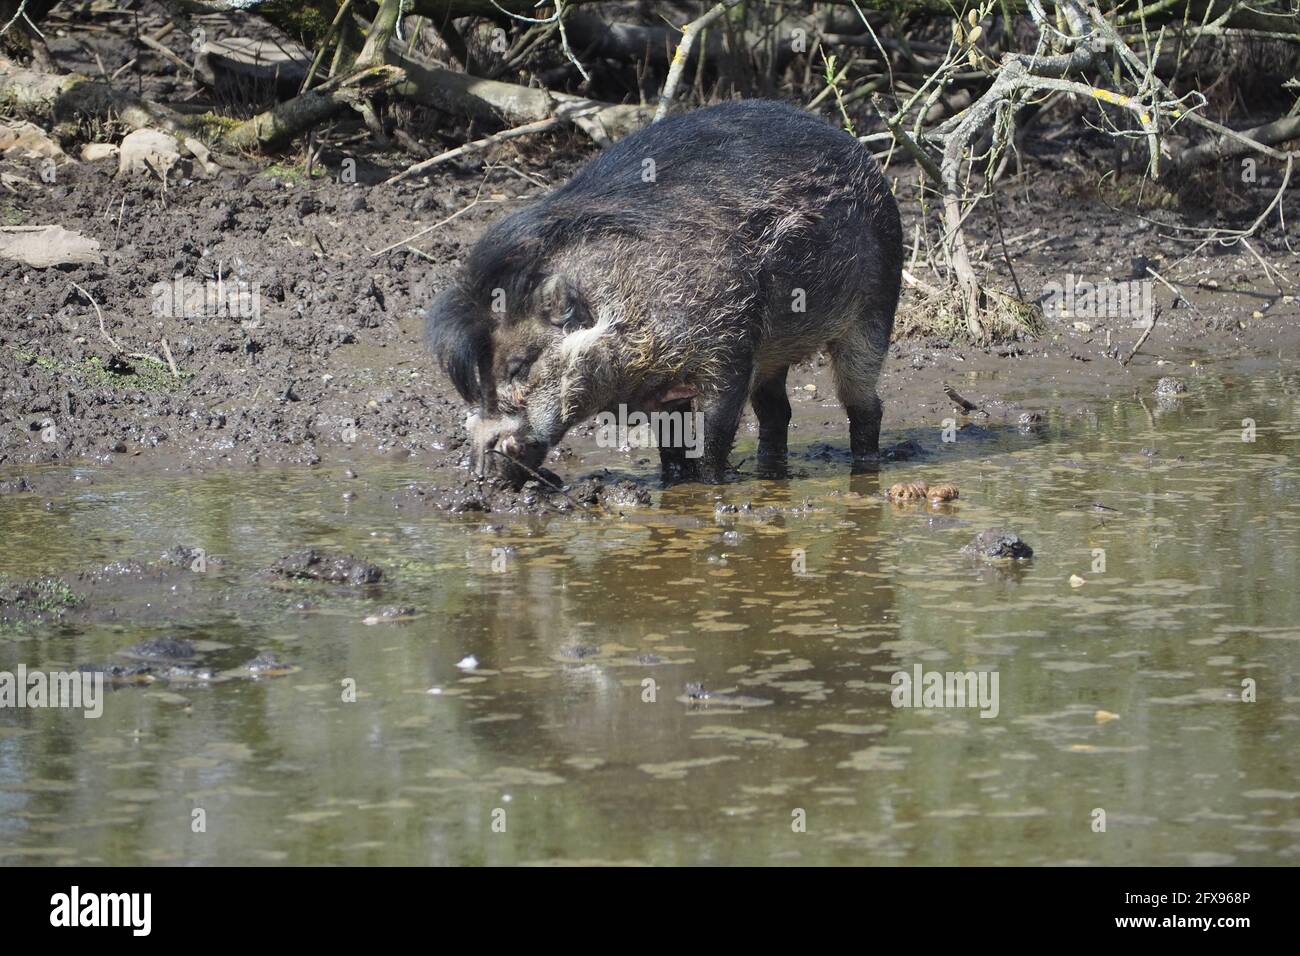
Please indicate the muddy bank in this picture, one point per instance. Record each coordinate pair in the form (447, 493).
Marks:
(304, 346)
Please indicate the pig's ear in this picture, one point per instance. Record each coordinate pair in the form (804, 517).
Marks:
(462, 343)
(561, 305)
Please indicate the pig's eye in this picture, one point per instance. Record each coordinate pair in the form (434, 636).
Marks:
(517, 368)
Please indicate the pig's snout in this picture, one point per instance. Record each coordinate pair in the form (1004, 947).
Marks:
(501, 449)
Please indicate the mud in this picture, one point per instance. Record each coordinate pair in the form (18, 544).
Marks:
(311, 352)
(179, 661)
(312, 565)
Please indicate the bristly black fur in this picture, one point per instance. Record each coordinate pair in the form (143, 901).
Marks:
(462, 342)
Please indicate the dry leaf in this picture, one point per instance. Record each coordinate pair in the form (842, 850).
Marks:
(907, 491)
(942, 492)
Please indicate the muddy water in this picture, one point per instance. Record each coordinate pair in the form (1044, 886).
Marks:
(791, 603)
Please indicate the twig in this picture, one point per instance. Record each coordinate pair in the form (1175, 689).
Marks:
(165, 53)
(103, 330)
(429, 229)
(1141, 339)
(1186, 301)
(556, 19)
(324, 46)
(542, 478)
(900, 134)
(170, 361)
(476, 145)
(20, 12)
(964, 405)
(921, 284)
(689, 33)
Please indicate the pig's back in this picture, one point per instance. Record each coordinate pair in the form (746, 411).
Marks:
(758, 141)
(719, 165)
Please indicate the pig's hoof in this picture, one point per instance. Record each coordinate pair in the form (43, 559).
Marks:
(772, 469)
(679, 472)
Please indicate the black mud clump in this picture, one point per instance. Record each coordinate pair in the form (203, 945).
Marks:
(1170, 386)
(312, 565)
(177, 661)
(997, 543)
(267, 664)
(610, 495)
(184, 556)
(484, 496)
(972, 432)
(906, 450)
(14, 486)
(160, 658)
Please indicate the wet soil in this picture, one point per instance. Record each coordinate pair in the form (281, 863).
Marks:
(332, 369)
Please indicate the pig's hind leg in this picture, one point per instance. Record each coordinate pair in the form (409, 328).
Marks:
(772, 408)
(856, 361)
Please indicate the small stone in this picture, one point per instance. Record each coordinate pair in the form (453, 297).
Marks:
(1076, 581)
(147, 152)
(97, 152)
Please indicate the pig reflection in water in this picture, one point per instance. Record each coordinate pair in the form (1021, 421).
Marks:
(685, 268)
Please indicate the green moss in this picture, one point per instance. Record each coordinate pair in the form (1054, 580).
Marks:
(149, 375)
(307, 23)
(10, 214)
(211, 127)
(38, 596)
(293, 174)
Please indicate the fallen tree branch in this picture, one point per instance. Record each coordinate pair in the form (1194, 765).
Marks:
(70, 95)
(280, 124)
(494, 101)
(1242, 142)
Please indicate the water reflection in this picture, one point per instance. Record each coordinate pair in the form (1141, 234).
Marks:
(679, 684)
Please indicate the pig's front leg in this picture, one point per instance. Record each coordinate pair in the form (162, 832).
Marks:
(721, 408)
